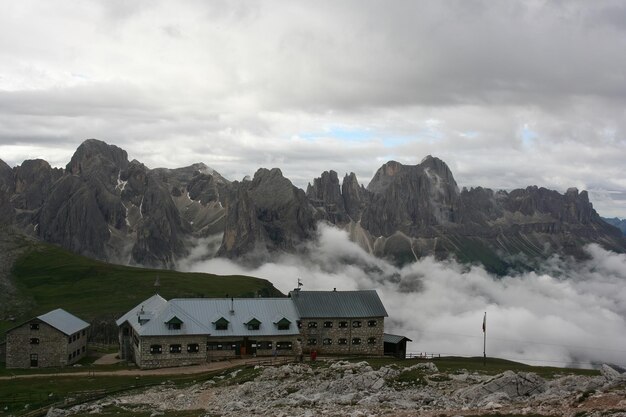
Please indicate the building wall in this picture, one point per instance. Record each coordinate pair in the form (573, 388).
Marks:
(146, 359)
(54, 347)
(335, 333)
(3, 352)
(210, 349)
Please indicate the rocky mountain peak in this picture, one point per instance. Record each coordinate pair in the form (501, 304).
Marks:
(96, 155)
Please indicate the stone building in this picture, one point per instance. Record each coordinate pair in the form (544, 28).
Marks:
(159, 333)
(56, 338)
(341, 322)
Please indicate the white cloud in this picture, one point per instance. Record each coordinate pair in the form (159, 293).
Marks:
(564, 314)
(237, 85)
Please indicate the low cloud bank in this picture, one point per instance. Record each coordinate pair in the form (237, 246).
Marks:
(567, 313)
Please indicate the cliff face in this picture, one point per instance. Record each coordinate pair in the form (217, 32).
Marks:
(408, 212)
(267, 214)
(107, 207)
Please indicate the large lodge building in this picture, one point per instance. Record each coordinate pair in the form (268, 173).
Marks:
(159, 333)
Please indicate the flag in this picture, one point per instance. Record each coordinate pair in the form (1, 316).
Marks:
(485, 323)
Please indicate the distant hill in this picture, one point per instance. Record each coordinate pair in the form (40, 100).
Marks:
(44, 277)
(617, 222)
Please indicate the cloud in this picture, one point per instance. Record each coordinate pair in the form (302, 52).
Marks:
(241, 85)
(566, 313)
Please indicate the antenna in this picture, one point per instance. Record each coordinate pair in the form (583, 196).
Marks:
(300, 284)
(157, 284)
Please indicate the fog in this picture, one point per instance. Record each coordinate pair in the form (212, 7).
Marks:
(567, 313)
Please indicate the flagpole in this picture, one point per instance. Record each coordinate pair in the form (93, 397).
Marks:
(485, 339)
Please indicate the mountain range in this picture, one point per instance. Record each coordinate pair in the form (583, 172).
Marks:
(106, 207)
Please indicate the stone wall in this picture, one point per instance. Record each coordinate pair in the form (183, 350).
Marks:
(3, 352)
(52, 347)
(166, 358)
(332, 333)
(209, 349)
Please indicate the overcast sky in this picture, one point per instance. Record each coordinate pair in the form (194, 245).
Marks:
(509, 94)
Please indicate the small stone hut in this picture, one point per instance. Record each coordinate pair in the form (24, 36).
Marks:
(54, 339)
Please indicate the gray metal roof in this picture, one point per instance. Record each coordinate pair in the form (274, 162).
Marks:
(63, 321)
(146, 309)
(349, 304)
(394, 338)
(199, 315)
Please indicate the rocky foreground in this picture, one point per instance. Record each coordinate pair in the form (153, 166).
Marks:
(357, 389)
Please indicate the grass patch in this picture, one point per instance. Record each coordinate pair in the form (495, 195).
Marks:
(494, 366)
(51, 277)
(24, 394)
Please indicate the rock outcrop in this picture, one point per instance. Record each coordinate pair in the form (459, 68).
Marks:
(358, 389)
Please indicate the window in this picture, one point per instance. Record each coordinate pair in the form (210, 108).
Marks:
(214, 346)
(83, 349)
(356, 323)
(312, 325)
(174, 323)
(74, 354)
(356, 341)
(156, 349)
(83, 332)
(283, 324)
(34, 340)
(299, 323)
(312, 341)
(77, 335)
(342, 341)
(34, 326)
(69, 340)
(265, 345)
(73, 338)
(176, 348)
(125, 331)
(221, 324)
(283, 346)
(328, 324)
(193, 348)
(69, 357)
(372, 323)
(371, 341)
(343, 324)
(327, 342)
(253, 324)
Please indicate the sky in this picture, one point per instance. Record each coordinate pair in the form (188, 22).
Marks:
(508, 94)
(566, 313)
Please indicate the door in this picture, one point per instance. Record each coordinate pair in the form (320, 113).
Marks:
(251, 348)
(34, 360)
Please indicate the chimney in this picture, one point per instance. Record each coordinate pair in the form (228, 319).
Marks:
(232, 306)
(335, 289)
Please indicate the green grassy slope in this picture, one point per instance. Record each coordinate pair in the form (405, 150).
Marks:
(48, 277)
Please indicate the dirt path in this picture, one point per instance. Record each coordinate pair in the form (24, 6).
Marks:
(183, 370)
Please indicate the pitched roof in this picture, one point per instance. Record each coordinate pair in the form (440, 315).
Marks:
(394, 338)
(349, 304)
(200, 314)
(63, 321)
(147, 309)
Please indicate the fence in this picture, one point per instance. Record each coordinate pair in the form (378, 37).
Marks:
(422, 355)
